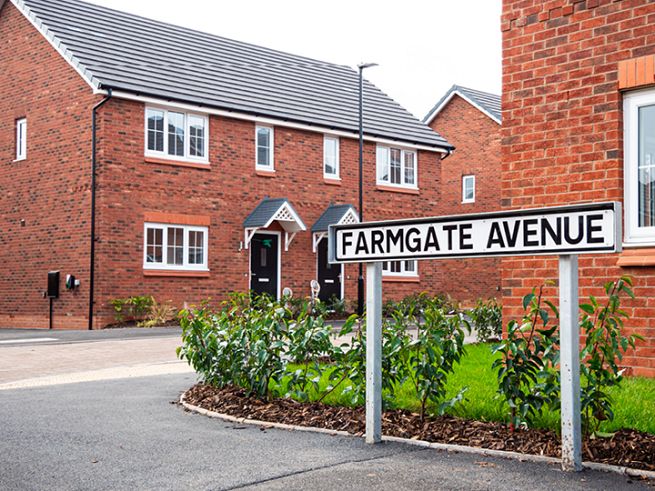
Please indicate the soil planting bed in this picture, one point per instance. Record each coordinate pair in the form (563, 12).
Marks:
(628, 448)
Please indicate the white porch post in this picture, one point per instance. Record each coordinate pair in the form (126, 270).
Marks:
(373, 352)
(570, 363)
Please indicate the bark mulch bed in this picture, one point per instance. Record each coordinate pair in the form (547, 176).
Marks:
(628, 448)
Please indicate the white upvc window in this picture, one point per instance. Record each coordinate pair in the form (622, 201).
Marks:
(264, 143)
(639, 166)
(468, 189)
(175, 247)
(176, 135)
(405, 269)
(331, 157)
(21, 139)
(396, 167)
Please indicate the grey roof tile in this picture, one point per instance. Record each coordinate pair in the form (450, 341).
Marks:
(332, 214)
(264, 211)
(138, 55)
(485, 100)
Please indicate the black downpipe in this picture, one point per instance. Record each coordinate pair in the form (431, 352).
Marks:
(92, 253)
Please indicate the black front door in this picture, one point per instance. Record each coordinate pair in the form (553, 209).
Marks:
(329, 275)
(264, 264)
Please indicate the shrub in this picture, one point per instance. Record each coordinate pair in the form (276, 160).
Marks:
(158, 314)
(132, 308)
(526, 375)
(602, 352)
(308, 343)
(429, 358)
(487, 319)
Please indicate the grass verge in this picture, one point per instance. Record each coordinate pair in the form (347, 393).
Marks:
(634, 399)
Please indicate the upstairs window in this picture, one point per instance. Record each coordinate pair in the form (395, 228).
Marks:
(403, 269)
(21, 139)
(639, 163)
(331, 157)
(396, 167)
(264, 148)
(175, 247)
(468, 189)
(176, 135)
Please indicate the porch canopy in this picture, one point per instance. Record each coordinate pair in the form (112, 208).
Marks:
(273, 210)
(333, 215)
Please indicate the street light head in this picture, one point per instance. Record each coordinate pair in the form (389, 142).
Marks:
(362, 65)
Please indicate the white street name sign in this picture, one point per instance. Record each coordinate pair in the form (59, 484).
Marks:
(546, 231)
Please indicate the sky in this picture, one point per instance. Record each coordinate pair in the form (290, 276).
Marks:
(422, 47)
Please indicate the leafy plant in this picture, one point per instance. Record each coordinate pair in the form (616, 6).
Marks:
(487, 319)
(132, 308)
(337, 305)
(429, 358)
(309, 344)
(603, 350)
(158, 314)
(526, 375)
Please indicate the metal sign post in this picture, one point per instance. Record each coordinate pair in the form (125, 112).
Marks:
(562, 231)
(373, 352)
(569, 363)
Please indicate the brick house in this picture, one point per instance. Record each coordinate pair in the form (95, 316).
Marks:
(218, 165)
(470, 178)
(579, 126)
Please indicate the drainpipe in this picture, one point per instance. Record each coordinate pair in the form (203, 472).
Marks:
(92, 252)
(450, 152)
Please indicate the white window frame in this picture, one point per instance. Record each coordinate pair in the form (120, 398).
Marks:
(21, 139)
(187, 157)
(386, 151)
(469, 177)
(271, 155)
(403, 273)
(337, 172)
(632, 101)
(175, 267)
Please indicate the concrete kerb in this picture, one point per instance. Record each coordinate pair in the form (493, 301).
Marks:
(485, 452)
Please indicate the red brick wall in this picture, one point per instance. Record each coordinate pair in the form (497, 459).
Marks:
(50, 189)
(228, 191)
(477, 141)
(562, 132)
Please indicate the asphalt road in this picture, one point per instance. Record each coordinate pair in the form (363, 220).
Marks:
(126, 434)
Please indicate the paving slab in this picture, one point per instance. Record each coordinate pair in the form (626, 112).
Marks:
(20, 362)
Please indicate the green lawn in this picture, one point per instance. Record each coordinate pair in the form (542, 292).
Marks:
(634, 400)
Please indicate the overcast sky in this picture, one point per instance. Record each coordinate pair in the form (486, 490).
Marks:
(422, 46)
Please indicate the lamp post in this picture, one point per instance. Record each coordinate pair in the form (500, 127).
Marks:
(360, 279)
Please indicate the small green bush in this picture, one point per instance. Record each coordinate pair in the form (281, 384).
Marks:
(487, 319)
(132, 308)
(432, 355)
(603, 350)
(527, 378)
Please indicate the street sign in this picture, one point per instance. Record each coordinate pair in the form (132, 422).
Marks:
(546, 231)
(562, 231)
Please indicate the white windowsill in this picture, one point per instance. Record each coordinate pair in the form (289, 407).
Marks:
(175, 158)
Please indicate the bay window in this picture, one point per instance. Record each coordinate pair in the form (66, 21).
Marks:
(176, 135)
(396, 167)
(175, 247)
